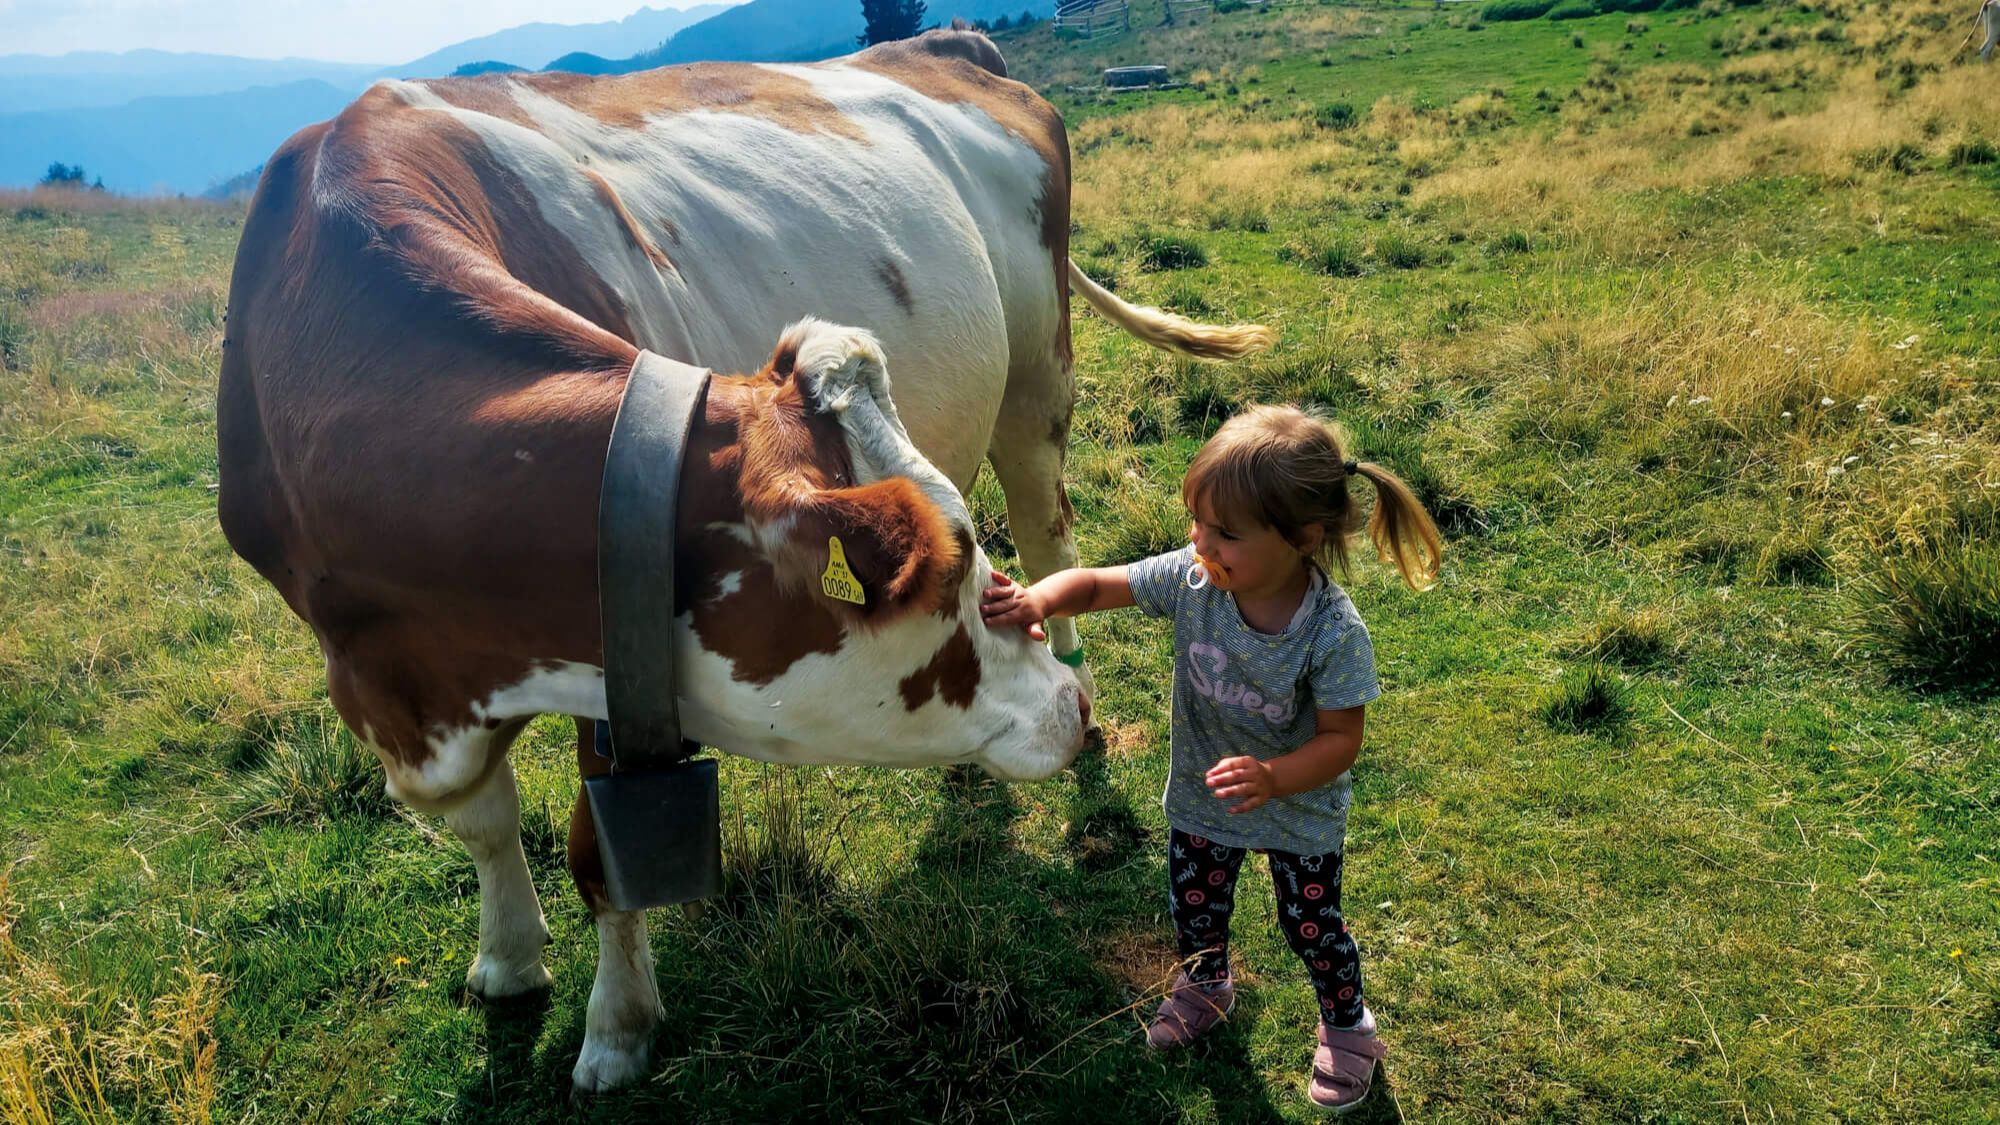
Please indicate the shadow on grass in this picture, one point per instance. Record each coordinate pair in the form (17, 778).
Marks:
(511, 1077)
(1103, 832)
(964, 985)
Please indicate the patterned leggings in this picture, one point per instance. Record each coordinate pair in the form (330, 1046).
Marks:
(1202, 894)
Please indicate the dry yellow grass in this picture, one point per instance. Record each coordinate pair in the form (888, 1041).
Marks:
(67, 1054)
(1688, 137)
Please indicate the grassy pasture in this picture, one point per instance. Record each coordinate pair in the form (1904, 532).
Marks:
(1680, 804)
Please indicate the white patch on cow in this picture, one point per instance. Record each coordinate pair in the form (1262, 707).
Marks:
(459, 756)
(847, 707)
(728, 585)
(740, 532)
(512, 930)
(624, 1006)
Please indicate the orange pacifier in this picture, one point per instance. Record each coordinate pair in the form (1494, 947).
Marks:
(1202, 573)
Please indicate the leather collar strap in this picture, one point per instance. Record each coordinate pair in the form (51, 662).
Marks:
(635, 560)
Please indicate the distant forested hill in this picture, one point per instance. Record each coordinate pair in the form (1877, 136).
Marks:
(793, 30)
(533, 46)
(165, 144)
(29, 83)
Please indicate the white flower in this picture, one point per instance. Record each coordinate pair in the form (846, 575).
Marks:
(1674, 400)
(1786, 414)
(1699, 399)
(1826, 402)
(1850, 459)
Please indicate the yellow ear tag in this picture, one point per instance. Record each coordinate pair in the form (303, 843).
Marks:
(839, 582)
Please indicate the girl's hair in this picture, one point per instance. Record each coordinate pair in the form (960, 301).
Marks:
(1288, 470)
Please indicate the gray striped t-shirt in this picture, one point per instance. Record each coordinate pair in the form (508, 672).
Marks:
(1238, 691)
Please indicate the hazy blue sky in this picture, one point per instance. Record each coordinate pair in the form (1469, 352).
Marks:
(379, 31)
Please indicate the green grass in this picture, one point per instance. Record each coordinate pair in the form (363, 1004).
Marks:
(1680, 804)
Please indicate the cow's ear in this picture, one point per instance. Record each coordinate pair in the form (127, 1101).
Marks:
(784, 361)
(881, 548)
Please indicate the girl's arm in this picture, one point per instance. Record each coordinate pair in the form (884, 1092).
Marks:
(1065, 593)
(1325, 756)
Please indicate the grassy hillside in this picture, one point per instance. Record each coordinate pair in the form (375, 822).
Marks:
(1680, 804)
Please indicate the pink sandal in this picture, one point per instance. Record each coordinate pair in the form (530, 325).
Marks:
(1189, 1011)
(1344, 1065)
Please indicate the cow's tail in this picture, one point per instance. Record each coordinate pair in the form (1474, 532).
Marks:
(1174, 333)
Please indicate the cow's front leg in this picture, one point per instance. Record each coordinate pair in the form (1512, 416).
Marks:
(624, 1006)
(625, 998)
(512, 931)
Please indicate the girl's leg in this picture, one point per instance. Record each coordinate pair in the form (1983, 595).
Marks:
(1201, 893)
(1308, 889)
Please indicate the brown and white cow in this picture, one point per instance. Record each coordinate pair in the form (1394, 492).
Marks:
(436, 300)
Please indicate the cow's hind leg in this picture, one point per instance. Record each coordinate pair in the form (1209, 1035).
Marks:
(512, 931)
(625, 998)
(1030, 443)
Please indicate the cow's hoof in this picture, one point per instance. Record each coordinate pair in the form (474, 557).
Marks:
(491, 982)
(600, 1068)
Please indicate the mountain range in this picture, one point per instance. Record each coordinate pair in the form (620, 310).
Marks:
(161, 122)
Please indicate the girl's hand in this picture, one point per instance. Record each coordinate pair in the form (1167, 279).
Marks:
(1005, 603)
(1243, 777)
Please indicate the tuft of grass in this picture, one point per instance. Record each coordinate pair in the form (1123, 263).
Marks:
(1189, 299)
(1718, 550)
(1204, 406)
(1335, 115)
(1241, 216)
(310, 772)
(1507, 243)
(1589, 699)
(1793, 558)
(1637, 640)
(1332, 257)
(773, 856)
(1146, 521)
(1145, 424)
(1931, 615)
(1902, 157)
(1400, 252)
(1103, 273)
(1160, 252)
(1972, 153)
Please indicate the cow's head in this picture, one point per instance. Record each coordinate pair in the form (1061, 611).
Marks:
(830, 580)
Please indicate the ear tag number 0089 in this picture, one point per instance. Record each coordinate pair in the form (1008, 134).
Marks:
(838, 582)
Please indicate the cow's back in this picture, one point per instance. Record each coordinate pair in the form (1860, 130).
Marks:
(910, 188)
